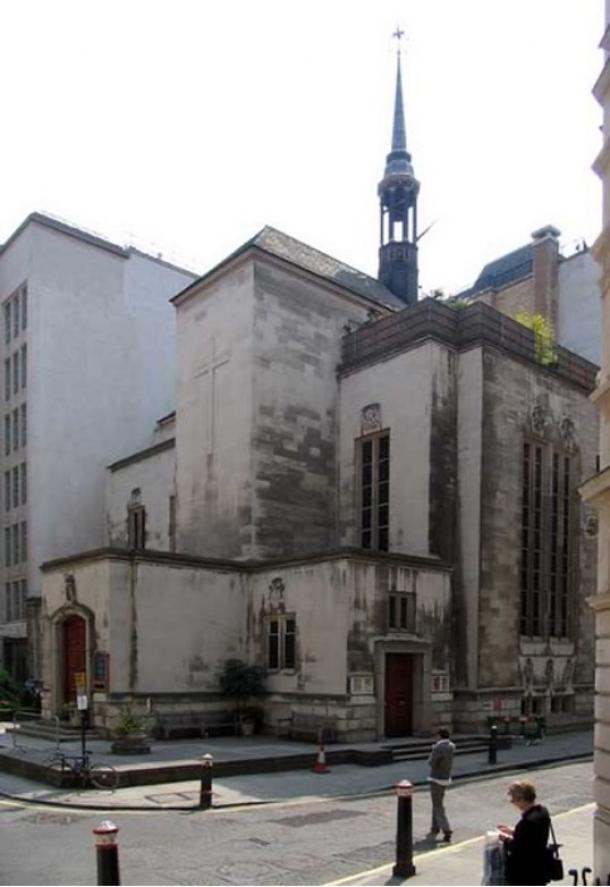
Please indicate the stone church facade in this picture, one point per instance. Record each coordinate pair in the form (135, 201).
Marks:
(373, 497)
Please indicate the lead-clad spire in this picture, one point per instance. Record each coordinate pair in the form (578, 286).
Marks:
(398, 205)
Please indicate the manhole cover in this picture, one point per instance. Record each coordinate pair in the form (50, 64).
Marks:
(317, 818)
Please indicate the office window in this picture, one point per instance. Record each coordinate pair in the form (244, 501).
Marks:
(24, 307)
(136, 527)
(375, 492)
(24, 425)
(281, 643)
(7, 379)
(7, 321)
(24, 365)
(15, 372)
(24, 540)
(15, 486)
(15, 429)
(8, 560)
(23, 477)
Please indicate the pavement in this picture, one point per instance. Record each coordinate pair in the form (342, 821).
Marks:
(462, 863)
(294, 786)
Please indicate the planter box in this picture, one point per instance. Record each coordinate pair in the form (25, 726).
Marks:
(131, 745)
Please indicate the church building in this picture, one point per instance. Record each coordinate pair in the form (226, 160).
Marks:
(371, 496)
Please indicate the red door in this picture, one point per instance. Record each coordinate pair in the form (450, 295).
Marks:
(75, 660)
(398, 694)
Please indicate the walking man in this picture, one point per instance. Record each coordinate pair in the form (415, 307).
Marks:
(440, 763)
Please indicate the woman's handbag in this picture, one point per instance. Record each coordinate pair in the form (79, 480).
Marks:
(554, 864)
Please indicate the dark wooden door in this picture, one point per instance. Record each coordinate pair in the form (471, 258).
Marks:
(75, 660)
(398, 694)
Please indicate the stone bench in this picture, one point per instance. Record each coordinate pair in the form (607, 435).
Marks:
(194, 723)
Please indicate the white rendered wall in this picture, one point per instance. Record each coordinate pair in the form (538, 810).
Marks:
(579, 309)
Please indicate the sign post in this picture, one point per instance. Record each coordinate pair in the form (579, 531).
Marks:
(82, 704)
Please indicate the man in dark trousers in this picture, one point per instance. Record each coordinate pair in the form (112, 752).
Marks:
(440, 763)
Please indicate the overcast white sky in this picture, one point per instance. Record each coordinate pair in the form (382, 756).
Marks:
(186, 126)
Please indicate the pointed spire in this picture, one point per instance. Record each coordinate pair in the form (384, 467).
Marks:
(399, 134)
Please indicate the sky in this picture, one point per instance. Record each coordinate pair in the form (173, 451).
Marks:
(184, 127)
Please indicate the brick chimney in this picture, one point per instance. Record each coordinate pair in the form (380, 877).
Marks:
(546, 263)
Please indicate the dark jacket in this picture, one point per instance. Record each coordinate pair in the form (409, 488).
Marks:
(525, 853)
(441, 759)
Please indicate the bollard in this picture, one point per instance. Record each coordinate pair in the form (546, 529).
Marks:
(205, 791)
(493, 745)
(107, 852)
(404, 867)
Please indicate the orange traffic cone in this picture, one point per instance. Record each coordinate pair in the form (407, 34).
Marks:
(320, 765)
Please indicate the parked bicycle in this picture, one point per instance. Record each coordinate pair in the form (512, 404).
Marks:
(86, 771)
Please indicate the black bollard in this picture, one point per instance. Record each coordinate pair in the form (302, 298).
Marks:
(404, 867)
(493, 745)
(107, 852)
(205, 791)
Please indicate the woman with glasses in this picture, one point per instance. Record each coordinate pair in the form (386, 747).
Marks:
(526, 860)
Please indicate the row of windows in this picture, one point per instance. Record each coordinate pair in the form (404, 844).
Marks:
(16, 544)
(15, 429)
(15, 598)
(15, 372)
(16, 314)
(15, 487)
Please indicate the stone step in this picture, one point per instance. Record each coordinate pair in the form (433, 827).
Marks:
(423, 755)
(44, 730)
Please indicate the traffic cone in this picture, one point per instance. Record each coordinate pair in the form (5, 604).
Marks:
(320, 765)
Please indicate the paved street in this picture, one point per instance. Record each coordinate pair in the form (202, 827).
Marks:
(314, 841)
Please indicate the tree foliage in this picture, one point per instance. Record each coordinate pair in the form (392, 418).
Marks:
(544, 335)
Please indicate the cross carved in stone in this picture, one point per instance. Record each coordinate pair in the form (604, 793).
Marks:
(207, 372)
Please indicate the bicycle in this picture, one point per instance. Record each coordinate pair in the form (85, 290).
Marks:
(86, 771)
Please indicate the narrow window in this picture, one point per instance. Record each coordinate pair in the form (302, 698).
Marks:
(7, 322)
(15, 429)
(8, 602)
(17, 600)
(15, 486)
(136, 527)
(290, 644)
(15, 372)
(24, 541)
(375, 492)
(172, 523)
(7, 434)
(7, 491)
(7, 379)
(23, 472)
(24, 365)
(16, 552)
(7, 547)
(24, 308)
(24, 425)
(273, 644)
(16, 323)
(401, 611)
(24, 597)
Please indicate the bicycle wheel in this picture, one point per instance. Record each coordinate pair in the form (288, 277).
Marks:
(104, 776)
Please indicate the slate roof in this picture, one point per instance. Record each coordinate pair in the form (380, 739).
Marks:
(276, 243)
(513, 266)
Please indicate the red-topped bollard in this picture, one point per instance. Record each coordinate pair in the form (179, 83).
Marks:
(107, 852)
(404, 867)
(205, 790)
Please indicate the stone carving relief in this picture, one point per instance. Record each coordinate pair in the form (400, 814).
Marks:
(568, 673)
(549, 672)
(591, 526)
(538, 419)
(567, 431)
(70, 587)
(528, 673)
(276, 593)
(370, 418)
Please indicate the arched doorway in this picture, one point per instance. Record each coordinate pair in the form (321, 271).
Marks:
(74, 654)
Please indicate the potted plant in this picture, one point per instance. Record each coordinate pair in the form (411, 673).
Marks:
(130, 733)
(240, 681)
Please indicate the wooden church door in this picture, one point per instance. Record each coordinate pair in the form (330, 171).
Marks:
(75, 658)
(398, 694)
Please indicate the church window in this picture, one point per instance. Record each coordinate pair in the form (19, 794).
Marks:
(7, 379)
(375, 492)
(281, 643)
(401, 611)
(547, 524)
(24, 365)
(136, 527)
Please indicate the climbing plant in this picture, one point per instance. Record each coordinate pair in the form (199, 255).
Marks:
(544, 335)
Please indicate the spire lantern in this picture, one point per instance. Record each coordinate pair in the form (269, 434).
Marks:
(398, 206)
